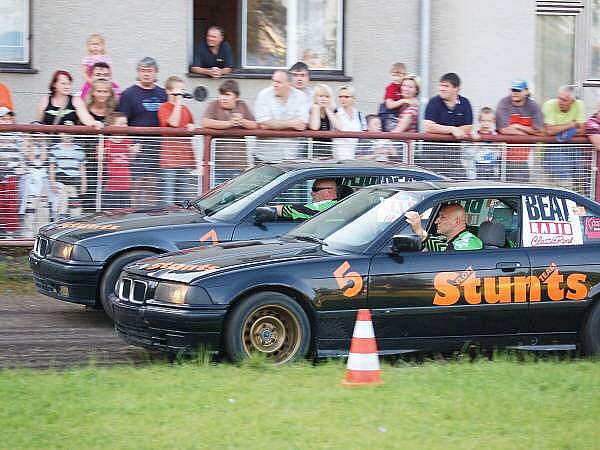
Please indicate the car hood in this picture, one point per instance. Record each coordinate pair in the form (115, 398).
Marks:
(186, 265)
(74, 230)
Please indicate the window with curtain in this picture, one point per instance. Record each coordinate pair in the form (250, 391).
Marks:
(14, 32)
(277, 33)
(555, 54)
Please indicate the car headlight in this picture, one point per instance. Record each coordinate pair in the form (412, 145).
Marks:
(62, 250)
(70, 252)
(181, 294)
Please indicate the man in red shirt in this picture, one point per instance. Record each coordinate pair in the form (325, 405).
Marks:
(176, 154)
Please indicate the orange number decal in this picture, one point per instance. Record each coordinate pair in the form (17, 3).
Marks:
(352, 281)
(210, 236)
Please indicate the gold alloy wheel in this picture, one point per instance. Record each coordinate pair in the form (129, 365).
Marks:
(274, 331)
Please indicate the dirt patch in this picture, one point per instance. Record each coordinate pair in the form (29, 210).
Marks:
(40, 332)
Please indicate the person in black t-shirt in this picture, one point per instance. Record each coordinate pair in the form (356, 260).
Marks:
(214, 57)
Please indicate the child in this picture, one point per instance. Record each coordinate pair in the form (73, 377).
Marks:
(117, 153)
(67, 177)
(486, 156)
(375, 149)
(176, 154)
(11, 169)
(34, 205)
(392, 100)
(96, 49)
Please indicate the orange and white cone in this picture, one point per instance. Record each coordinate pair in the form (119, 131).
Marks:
(363, 362)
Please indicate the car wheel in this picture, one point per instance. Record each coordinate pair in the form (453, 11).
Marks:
(591, 331)
(268, 323)
(111, 275)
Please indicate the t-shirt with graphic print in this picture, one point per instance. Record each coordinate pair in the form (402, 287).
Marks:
(141, 105)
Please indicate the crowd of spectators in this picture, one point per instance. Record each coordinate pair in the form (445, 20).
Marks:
(49, 177)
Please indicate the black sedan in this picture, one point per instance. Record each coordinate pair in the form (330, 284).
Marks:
(79, 260)
(535, 283)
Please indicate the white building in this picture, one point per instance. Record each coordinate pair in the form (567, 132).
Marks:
(488, 43)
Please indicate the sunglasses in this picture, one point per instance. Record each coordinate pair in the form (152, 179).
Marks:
(317, 189)
(344, 96)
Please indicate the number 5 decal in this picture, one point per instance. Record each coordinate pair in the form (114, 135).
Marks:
(210, 236)
(352, 281)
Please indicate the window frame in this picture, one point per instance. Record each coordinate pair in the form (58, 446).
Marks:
(25, 66)
(291, 29)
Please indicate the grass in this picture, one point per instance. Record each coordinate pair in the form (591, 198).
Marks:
(486, 404)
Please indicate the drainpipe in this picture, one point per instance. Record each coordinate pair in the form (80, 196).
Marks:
(424, 52)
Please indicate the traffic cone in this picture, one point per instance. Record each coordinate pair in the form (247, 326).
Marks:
(363, 362)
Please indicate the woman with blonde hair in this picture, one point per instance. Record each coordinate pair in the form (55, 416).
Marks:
(350, 119)
(322, 118)
(102, 100)
(408, 114)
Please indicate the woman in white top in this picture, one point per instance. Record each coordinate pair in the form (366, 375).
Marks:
(349, 119)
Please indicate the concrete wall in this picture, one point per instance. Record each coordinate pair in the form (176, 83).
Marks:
(488, 43)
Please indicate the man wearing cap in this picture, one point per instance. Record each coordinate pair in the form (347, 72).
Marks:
(140, 103)
(518, 114)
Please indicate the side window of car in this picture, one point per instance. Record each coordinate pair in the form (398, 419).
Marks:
(495, 221)
(299, 192)
(550, 221)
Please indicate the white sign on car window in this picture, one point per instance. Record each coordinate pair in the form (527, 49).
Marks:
(550, 221)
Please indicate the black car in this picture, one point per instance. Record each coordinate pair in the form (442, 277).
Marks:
(79, 260)
(535, 284)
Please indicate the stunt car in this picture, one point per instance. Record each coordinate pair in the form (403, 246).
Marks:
(533, 284)
(79, 260)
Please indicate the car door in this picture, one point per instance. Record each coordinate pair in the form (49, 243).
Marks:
(440, 299)
(562, 237)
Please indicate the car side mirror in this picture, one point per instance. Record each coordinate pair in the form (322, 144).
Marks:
(264, 214)
(406, 243)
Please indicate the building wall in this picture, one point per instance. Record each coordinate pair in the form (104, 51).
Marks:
(486, 42)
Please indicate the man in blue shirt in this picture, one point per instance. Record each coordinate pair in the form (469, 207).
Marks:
(214, 57)
(447, 113)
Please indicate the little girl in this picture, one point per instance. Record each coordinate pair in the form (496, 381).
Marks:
(96, 49)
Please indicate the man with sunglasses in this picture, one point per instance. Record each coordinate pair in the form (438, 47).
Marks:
(324, 196)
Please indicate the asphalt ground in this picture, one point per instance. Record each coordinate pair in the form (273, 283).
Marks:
(41, 332)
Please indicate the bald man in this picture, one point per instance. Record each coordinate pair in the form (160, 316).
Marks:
(452, 228)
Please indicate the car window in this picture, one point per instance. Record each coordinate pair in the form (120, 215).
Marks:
(299, 192)
(501, 212)
(553, 220)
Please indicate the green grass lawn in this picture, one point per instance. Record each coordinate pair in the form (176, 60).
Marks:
(503, 403)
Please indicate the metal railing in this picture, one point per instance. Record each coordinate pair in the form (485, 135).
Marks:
(51, 172)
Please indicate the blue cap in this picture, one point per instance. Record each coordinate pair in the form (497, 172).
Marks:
(518, 85)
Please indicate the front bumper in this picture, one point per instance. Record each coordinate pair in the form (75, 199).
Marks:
(168, 329)
(75, 283)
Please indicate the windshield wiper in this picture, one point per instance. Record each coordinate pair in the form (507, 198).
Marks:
(310, 238)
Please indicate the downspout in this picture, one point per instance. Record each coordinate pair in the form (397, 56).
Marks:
(424, 52)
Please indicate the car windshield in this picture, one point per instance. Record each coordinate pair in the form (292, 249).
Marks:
(358, 221)
(237, 188)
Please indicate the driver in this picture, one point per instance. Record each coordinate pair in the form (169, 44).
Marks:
(324, 196)
(452, 228)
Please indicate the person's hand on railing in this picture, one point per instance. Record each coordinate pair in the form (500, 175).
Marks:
(191, 126)
(458, 133)
(98, 125)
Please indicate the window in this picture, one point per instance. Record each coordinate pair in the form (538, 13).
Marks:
(268, 34)
(14, 32)
(567, 45)
(279, 33)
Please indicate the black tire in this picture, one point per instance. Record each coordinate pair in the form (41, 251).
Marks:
(590, 332)
(268, 323)
(111, 275)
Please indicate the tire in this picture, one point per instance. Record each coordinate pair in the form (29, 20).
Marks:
(590, 332)
(268, 323)
(111, 275)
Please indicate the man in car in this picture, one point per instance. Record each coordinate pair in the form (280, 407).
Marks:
(452, 228)
(324, 196)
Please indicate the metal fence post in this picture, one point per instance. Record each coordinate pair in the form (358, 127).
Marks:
(99, 172)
